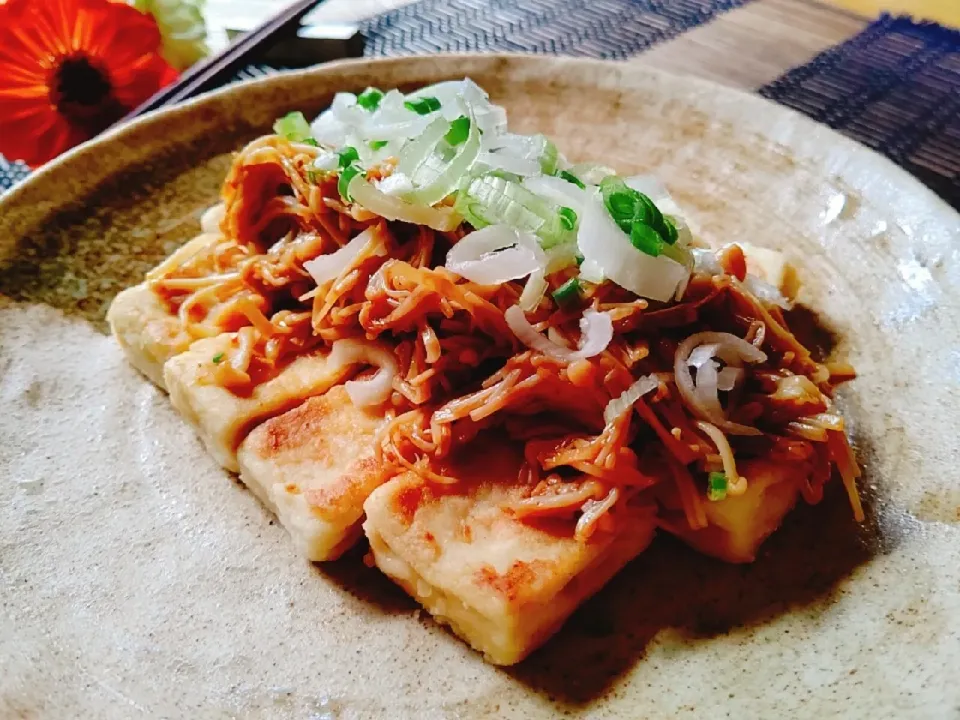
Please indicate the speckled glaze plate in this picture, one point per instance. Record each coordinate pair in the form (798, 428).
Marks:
(138, 579)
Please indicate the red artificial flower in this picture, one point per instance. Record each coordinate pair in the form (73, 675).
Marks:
(71, 68)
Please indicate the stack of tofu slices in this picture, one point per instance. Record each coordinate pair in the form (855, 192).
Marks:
(308, 453)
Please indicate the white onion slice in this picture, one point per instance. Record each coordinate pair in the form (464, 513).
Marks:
(508, 162)
(366, 195)
(603, 242)
(702, 396)
(496, 254)
(212, 217)
(596, 330)
(619, 405)
(325, 268)
(558, 191)
(765, 292)
(533, 291)
(375, 390)
(395, 185)
(728, 378)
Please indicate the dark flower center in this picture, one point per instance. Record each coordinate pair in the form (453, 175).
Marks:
(82, 93)
(80, 83)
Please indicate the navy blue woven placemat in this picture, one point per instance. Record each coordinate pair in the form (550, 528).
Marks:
(894, 87)
(613, 29)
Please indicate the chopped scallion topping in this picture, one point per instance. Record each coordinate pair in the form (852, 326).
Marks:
(218, 358)
(348, 156)
(377, 144)
(459, 131)
(638, 216)
(571, 178)
(422, 106)
(346, 175)
(310, 141)
(568, 218)
(370, 99)
(567, 293)
(716, 486)
(293, 126)
(548, 161)
(646, 239)
(580, 259)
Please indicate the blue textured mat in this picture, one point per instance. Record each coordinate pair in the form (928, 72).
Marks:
(613, 29)
(894, 87)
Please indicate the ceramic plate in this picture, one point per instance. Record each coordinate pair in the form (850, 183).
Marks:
(137, 578)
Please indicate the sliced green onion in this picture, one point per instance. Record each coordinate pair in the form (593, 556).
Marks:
(346, 175)
(438, 177)
(422, 106)
(348, 156)
(490, 199)
(580, 258)
(293, 126)
(218, 358)
(671, 235)
(423, 147)
(637, 215)
(377, 144)
(370, 99)
(568, 218)
(548, 161)
(571, 178)
(646, 239)
(459, 130)
(567, 293)
(716, 486)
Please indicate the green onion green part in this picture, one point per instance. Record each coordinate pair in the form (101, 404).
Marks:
(346, 175)
(548, 161)
(645, 239)
(716, 486)
(459, 131)
(370, 99)
(310, 141)
(377, 144)
(568, 218)
(567, 293)
(218, 358)
(571, 178)
(638, 216)
(293, 126)
(348, 156)
(580, 259)
(422, 106)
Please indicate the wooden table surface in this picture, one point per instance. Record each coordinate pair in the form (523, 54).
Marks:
(745, 48)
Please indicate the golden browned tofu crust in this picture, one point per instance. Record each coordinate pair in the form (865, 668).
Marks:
(315, 466)
(737, 526)
(147, 332)
(222, 418)
(503, 585)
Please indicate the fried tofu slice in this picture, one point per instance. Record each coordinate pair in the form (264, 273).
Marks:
(502, 585)
(222, 418)
(147, 332)
(314, 466)
(738, 525)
